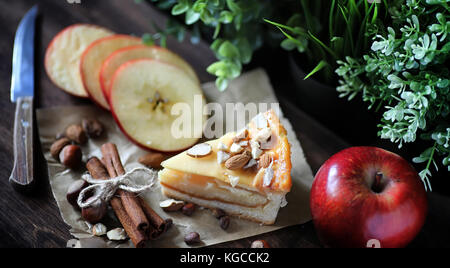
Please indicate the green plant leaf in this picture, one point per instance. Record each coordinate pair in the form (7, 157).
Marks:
(180, 8)
(192, 17)
(228, 50)
(322, 64)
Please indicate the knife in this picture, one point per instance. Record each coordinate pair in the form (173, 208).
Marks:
(22, 93)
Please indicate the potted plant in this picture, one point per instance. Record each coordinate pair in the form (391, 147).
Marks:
(324, 32)
(406, 74)
(235, 28)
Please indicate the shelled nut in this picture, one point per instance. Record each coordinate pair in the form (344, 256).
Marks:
(70, 156)
(95, 213)
(58, 146)
(260, 244)
(238, 161)
(117, 234)
(171, 205)
(92, 127)
(74, 191)
(188, 209)
(76, 133)
(152, 160)
(99, 229)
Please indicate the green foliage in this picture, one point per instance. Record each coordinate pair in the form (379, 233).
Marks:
(236, 28)
(407, 73)
(325, 37)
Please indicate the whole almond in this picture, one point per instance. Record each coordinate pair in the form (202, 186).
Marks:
(76, 133)
(152, 160)
(265, 160)
(57, 147)
(238, 161)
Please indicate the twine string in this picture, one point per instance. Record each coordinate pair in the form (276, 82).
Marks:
(104, 190)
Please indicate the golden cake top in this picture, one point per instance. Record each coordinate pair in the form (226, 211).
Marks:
(257, 157)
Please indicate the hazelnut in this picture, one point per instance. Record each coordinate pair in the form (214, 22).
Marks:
(70, 156)
(224, 222)
(152, 160)
(74, 191)
(192, 238)
(95, 213)
(92, 127)
(60, 135)
(57, 147)
(188, 209)
(260, 244)
(76, 133)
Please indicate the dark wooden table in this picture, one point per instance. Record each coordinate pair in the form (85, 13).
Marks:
(34, 221)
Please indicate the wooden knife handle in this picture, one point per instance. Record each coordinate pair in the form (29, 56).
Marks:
(22, 176)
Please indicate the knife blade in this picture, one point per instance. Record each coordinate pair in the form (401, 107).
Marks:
(22, 93)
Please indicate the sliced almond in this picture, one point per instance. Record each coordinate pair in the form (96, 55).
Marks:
(236, 148)
(268, 176)
(238, 161)
(222, 157)
(99, 229)
(241, 135)
(234, 180)
(200, 150)
(260, 121)
(251, 163)
(117, 234)
(263, 135)
(222, 147)
(269, 144)
(243, 143)
(171, 205)
(256, 151)
(266, 160)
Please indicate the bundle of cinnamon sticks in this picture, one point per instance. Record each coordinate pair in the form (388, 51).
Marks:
(138, 219)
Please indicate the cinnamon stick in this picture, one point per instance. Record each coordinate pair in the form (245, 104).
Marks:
(98, 172)
(130, 202)
(159, 224)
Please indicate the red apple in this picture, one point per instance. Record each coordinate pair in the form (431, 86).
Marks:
(93, 58)
(366, 193)
(126, 54)
(63, 55)
(142, 95)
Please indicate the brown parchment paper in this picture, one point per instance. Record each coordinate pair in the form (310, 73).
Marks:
(251, 87)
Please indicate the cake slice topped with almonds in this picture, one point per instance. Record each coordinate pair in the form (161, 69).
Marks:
(246, 174)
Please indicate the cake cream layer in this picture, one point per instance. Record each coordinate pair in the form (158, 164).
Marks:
(212, 189)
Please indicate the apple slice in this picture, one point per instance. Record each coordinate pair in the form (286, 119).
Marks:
(143, 93)
(93, 58)
(115, 60)
(62, 58)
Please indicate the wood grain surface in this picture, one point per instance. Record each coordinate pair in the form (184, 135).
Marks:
(34, 220)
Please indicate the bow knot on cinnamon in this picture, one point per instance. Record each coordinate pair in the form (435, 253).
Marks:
(104, 190)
